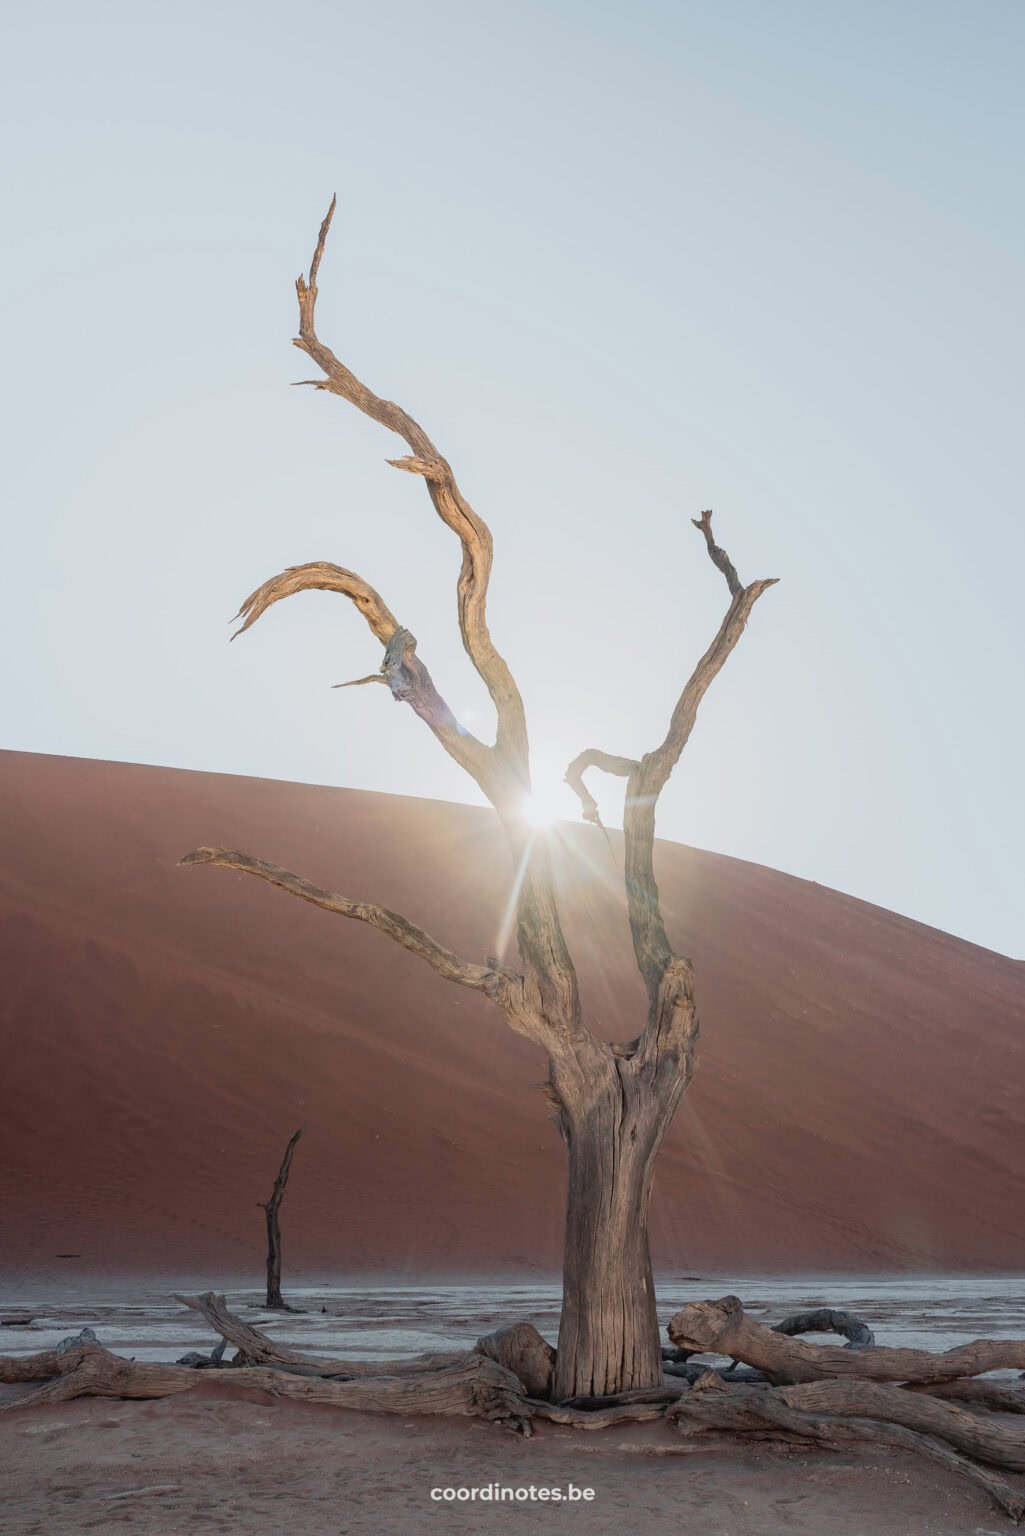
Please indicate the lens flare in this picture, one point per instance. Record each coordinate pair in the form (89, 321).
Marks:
(541, 810)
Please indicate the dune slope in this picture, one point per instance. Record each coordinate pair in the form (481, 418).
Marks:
(859, 1104)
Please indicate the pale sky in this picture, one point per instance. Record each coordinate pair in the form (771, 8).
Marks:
(624, 262)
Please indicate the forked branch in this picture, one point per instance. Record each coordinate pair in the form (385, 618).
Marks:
(449, 503)
(666, 975)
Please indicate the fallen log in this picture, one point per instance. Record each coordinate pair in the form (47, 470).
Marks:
(474, 1386)
(712, 1404)
(519, 1348)
(723, 1328)
(42, 1365)
(92, 1371)
(255, 1348)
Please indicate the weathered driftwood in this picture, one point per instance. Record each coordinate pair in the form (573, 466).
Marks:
(612, 1102)
(722, 1327)
(271, 1208)
(712, 1404)
(828, 1320)
(43, 1364)
(468, 1383)
(474, 1386)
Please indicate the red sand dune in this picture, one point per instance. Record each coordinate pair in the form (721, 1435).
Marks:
(859, 1103)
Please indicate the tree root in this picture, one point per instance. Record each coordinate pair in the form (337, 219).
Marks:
(597, 1418)
(828, 1320)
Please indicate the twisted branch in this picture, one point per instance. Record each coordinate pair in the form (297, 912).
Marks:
(593, 758)
(449, 503)
(719, 556)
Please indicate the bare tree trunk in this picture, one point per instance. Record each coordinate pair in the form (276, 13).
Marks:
(273, 1229)
(609, 1337)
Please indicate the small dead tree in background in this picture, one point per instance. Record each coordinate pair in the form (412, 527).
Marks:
(612, 1103)
(272, 1207)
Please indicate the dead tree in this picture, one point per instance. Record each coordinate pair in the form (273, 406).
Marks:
(612, 1103)
(271, 1207)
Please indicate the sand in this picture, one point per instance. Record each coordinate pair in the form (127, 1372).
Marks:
(859, 1102)
(251, 1465)
(206, 1464)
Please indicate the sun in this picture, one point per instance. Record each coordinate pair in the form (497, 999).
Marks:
(543, 807)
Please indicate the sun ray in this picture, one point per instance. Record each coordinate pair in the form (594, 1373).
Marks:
(509, 916)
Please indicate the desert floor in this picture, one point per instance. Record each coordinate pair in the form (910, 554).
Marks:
(209, 1465)
(216, 1462)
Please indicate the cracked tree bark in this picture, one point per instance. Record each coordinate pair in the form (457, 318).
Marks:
(612, 1103)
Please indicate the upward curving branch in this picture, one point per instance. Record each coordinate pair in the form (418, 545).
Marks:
(403, 671)
(667, 976)
(450, 505)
